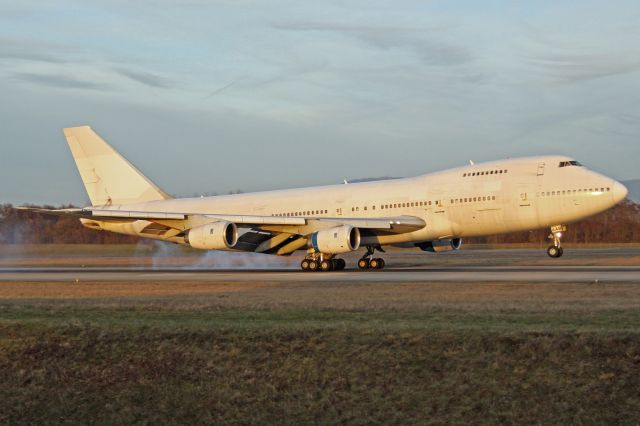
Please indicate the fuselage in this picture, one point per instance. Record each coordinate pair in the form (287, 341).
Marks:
(475, 200)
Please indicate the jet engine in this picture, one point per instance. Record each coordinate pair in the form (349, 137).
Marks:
(438, 246)
(213, 236)
(341, 239)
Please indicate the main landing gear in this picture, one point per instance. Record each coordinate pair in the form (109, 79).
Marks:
(369, 262)
(322, 262)
(555, 250)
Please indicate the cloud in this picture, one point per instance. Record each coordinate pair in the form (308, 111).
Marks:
(420, 41)
(60, 81)
(146, 78)
(569, 68)
(27, 50)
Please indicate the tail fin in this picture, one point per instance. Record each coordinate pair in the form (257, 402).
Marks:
(107, 176)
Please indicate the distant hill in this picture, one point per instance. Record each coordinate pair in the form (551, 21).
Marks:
(634, 189)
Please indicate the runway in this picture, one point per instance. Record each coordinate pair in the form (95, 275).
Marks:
(528, 274)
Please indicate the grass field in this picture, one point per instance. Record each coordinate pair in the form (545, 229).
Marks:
(320, 352)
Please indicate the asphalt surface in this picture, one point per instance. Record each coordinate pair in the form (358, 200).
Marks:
(588, 274)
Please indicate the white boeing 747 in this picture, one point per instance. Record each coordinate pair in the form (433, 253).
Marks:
(432, 212)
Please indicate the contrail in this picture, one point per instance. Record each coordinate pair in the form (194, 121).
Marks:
(222, 89)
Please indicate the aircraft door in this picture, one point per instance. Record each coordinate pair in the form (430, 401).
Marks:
(437, 215)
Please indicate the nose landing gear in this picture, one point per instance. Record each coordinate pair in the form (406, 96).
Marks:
(555, 250)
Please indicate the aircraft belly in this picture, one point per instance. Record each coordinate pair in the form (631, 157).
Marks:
(421, 235)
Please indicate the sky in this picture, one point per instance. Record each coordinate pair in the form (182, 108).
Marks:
(213, 96)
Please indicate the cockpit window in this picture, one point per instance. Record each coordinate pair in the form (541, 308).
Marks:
(570, 163)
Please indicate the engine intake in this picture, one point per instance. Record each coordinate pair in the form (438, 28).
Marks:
(439, 246)
(341, 239)
(213, 236)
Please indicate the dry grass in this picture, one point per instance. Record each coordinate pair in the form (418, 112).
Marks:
(83, 374)
(400, 297)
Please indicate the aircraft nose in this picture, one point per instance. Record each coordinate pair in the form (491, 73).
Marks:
(619, 192)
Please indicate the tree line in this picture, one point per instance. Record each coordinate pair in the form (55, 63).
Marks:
(22, 227)
(620, 224)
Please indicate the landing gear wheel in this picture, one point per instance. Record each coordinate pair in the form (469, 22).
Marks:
(554, 251)
(363, 263)
(326, 265)
(339, 264)
(305, 265)
(376, 263)
(313, 265)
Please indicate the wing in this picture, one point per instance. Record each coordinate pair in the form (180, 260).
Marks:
(262, 234)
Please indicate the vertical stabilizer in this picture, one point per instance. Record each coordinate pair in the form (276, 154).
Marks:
(107, 176)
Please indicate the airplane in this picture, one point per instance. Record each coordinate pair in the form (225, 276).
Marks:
(431, 212)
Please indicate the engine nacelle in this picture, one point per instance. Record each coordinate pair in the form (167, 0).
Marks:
(438, 246)
(341, 239)
(213, 236)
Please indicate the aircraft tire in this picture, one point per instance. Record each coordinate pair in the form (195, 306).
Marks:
(554, 252)
(363, 263)
(326, 265)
